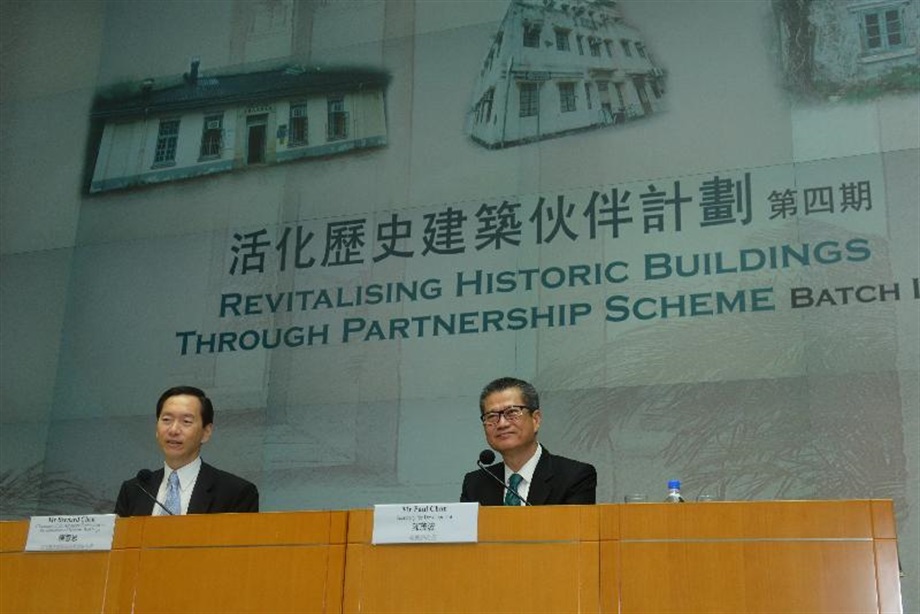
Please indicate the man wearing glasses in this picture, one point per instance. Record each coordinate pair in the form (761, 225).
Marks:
(510, 412)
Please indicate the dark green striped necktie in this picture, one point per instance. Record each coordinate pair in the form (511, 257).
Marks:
(511, 496)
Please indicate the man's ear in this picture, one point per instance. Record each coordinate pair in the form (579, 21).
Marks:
(537, 419)
(207, 432)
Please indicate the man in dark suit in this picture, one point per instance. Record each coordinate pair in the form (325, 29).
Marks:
(185, 421)
(510, 412)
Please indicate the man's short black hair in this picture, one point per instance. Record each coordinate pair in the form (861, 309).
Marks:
(528, 392)
(207, 409)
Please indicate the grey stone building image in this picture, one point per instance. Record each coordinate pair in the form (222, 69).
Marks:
(558, 67)
(849, 48)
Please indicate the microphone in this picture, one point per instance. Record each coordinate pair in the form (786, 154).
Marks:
(143, 477)
(487, 457)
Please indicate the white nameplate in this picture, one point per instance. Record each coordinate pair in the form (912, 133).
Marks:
(79, 532)
(415, 523)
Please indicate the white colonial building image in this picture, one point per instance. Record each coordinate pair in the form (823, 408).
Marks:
(556, 67)
(214, 124)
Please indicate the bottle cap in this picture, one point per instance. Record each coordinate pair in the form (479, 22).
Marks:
(672, 484)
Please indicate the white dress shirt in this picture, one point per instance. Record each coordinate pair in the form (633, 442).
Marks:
(188, 475)
(525, 472)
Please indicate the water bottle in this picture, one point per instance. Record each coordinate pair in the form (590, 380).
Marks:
(674, 492)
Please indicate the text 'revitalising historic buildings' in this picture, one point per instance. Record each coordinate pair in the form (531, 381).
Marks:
(213, 124)
(556, 67)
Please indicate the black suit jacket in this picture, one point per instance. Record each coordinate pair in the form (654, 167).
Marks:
(556, 480)
(215, 492)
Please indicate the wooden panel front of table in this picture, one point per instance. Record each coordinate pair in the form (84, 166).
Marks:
(60, 582)
(271, 562)
(771, 556)
(538, 559)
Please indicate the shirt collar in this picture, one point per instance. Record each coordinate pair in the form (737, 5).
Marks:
(188, 474)
(529, 467)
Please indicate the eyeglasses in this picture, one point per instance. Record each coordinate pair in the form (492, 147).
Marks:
(512, 413)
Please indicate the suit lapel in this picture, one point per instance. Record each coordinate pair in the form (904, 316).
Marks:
(495, 493)
(200, 501)
(541, 485)
(147, 504)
